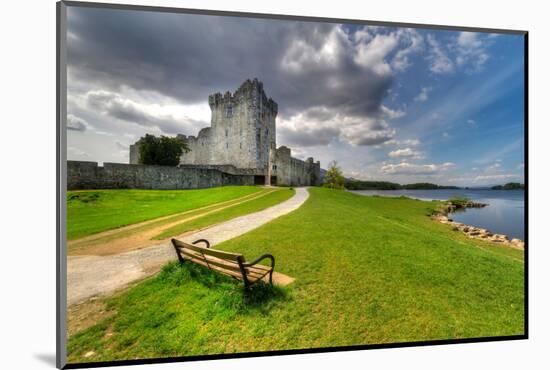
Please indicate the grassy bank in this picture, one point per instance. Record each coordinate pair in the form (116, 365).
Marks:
(93, 211)
(367, 269)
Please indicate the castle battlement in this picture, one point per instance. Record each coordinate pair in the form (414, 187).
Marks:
(249, 90)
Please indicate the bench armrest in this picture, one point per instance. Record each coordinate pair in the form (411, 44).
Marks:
(202, 241)
(255, 262)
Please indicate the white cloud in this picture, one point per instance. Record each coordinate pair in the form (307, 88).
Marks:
(471, 122)
(388, 113)
(411, 142)
(366, 132)
(407, 142)
(386, 52)
(423, 95)
(466, 51)
(321, 125)
(363, 35)
(468, 40)
(406, 153)
(405, 168)
(414, 42)
(75, 123)
(470, 49)
(439, 60)
(104, 133)
(495, 166)
(373, 54)
(302, 54)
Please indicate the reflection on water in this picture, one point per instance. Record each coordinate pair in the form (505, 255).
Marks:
(504, 215)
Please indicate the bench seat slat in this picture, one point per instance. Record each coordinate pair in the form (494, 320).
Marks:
(259, 267)
(202, 262)
(235, 274)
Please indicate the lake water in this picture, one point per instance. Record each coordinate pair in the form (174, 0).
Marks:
(505, 213)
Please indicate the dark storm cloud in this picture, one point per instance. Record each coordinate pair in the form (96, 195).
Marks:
(188, 57)
(307, 137)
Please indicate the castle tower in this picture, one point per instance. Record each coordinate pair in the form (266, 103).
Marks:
(243, 126)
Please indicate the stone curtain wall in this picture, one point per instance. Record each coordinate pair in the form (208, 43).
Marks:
(88, 175)
(292, 171)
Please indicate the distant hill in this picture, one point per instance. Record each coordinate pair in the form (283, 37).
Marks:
(427, 185)
(509, 186)
(353, 184)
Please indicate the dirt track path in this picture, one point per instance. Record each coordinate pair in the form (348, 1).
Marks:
(89, 276)
(138, 236)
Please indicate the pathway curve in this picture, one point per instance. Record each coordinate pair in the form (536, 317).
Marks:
(89, 276)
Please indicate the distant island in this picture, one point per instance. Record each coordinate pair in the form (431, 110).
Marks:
(353, 184)
(509, 186)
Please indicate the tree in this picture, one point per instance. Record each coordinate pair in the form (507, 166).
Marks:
(163, 150)
(509, 186)
(334, 178)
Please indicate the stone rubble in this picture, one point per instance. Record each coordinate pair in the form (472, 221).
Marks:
(480, 233)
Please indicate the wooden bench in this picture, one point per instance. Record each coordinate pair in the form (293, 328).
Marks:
(232, 264)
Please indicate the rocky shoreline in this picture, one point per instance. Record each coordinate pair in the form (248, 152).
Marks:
(476, 232)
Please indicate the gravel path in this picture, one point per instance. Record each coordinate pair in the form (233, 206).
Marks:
(89, 276)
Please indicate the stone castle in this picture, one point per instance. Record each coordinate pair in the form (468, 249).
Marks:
(241, 141)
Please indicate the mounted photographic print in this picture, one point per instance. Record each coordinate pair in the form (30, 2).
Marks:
(235, 184)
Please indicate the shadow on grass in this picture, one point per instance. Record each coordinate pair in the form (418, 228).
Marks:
(229, 292)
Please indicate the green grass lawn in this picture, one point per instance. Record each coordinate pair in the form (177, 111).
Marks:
(255, 205)
(368, 270)
(93, 211)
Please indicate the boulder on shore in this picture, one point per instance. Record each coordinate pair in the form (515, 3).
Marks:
(518, 243)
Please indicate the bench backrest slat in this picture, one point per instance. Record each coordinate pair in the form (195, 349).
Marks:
(208, 251)
(225, 264)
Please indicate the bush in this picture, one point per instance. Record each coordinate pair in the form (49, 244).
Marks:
(459, 201)
(163, 150)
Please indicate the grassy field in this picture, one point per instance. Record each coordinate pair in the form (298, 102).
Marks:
(255, 205)
(93, 211)
(367, 269)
